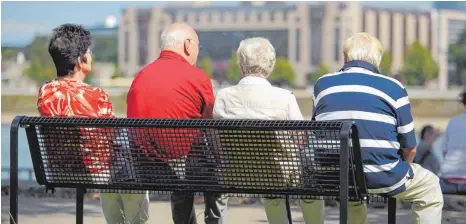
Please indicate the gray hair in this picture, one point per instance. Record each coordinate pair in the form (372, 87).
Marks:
(173, 38)
(256, 57)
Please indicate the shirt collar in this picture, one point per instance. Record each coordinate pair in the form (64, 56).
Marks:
(254, 80)
(168, 54)
(360, 64)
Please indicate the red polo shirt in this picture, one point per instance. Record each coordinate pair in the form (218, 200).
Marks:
(169, 88)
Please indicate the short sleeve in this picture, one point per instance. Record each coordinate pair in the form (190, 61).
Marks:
(105, 107)
(405, 122)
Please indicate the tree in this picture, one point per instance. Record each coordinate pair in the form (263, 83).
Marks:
(9, 53)
(321, 70)
(457, 52)
(419, 65)
(116, 72)
(41, 67)
(206, 65)
(386, 64)
(234, 72)
(283, 73)
(39, 73)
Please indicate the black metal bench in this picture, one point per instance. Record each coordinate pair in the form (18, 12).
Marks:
(246, 158)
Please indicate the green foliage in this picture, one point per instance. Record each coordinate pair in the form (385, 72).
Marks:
(419, 65)
(386, 64)
(9, 53)
(206, 65)
(457, 52)
(283, 73)
(41, 68)
(116, 72)
(321, 70)
(105, 49)
(234, 72)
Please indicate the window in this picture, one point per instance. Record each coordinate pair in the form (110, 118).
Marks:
(391, 35)
(198, 17)
(272, 15)
(246, 16)
(298, 49)
(222, 17)
(234, 16)
(364, 21)
(337, 44)
(405, 25)
(259, 16)
(418, 27)
(126, 53)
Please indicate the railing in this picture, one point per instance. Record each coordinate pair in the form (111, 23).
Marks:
(25, 174)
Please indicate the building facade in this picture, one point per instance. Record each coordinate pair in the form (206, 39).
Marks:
(451, 18)
(306, 34)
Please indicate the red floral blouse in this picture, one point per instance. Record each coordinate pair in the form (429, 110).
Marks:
(68, 98)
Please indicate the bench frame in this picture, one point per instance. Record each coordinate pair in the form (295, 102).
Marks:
(349, 129)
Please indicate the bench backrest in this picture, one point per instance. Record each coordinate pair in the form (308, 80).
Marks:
(262, 158)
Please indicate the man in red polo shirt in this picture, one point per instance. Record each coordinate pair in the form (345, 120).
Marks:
(172, 87)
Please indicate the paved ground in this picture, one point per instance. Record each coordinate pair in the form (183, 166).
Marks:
(52, 210)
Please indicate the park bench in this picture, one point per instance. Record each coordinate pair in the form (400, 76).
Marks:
(242, 158)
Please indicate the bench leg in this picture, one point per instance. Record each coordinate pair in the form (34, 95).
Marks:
(80, 205)
(288, 210)
(14, 170)
(392, 211)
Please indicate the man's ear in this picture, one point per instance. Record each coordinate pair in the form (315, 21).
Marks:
(186, 47)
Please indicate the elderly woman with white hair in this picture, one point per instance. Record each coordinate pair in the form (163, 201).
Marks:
(255, 98)
(379, 105)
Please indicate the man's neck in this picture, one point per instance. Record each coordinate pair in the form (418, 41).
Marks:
(177, 51)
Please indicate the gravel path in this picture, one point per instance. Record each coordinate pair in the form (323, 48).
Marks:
(52, 210)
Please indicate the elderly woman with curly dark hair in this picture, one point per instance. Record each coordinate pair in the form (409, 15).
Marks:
(69, 96)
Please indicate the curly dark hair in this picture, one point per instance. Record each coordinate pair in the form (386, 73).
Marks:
(68, 43)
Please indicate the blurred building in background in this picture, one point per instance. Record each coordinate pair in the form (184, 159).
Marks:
(306, 33)
(451, 19)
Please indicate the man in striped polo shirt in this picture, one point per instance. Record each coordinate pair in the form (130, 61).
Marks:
(380, 107)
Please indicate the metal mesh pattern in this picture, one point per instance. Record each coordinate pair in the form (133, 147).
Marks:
(245, 158)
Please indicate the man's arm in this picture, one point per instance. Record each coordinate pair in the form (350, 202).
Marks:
(207, 99)
(405, 127)
(444, 145)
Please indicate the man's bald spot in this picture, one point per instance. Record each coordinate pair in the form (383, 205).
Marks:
(189, 31)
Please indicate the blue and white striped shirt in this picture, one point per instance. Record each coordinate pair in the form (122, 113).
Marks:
(380, 107)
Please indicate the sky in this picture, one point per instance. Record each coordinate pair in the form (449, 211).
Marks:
(21, 21)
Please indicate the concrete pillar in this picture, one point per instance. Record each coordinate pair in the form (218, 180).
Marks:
(156, 26)
(384, 30)
(443, 52)
(291, 38)
(328, 37)
(371, 20)
(397, 48)
(424, 31)
(350, 24)
(304, 45)
(410, 29)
